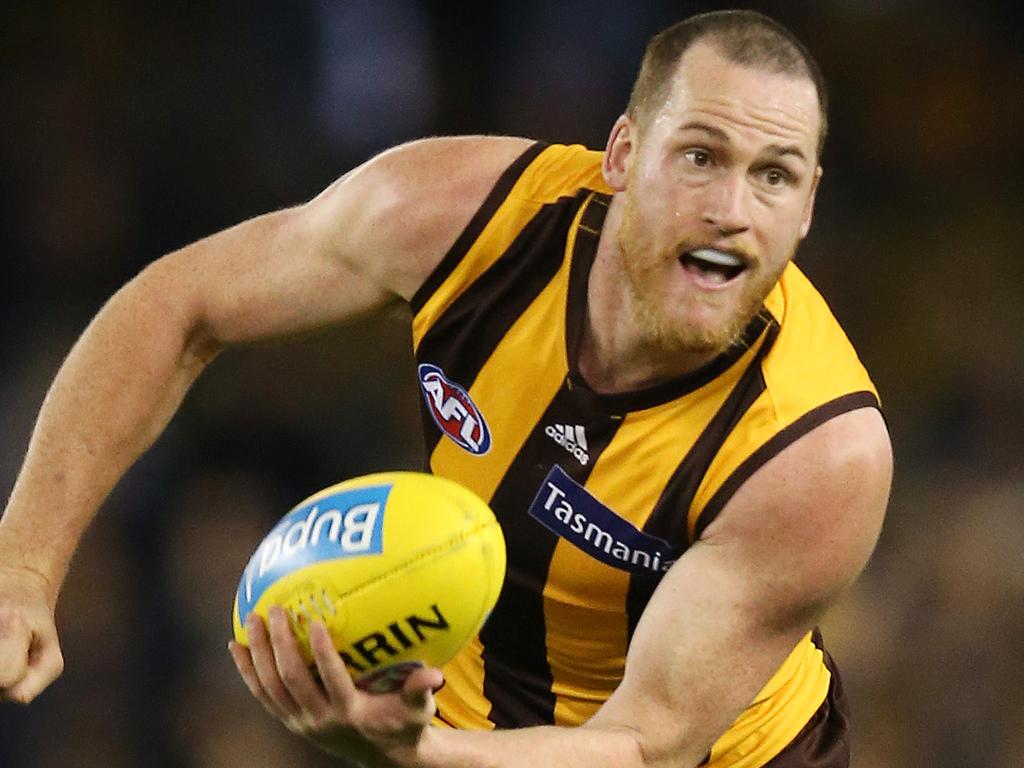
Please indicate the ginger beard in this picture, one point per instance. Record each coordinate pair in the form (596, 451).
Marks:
(685, 319)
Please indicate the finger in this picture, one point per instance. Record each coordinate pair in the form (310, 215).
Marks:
(266, 667)
(295, 675)
(45, 664)
(243, 662)
(333, 672)
(419, 687)
(15, 640)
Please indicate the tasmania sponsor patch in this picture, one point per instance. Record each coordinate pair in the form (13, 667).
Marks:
(454, 411)
(564, 507)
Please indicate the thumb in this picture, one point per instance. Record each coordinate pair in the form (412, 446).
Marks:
(43, 663)
(419, 687)
(15, 639)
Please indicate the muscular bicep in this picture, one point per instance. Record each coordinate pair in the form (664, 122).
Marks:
(267, 278)
(735, 604)
(371, 237)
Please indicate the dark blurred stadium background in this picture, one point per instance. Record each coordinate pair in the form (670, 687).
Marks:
(130, 129)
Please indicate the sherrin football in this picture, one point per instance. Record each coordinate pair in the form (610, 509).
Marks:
(402, 567)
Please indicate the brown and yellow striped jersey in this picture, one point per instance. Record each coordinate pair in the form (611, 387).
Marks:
(598, 494)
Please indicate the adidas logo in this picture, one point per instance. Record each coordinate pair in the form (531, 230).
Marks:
(572, 438)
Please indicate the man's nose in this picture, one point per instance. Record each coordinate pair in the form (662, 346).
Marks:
(726, 207)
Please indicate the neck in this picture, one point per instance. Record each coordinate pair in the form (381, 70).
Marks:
(616, 353)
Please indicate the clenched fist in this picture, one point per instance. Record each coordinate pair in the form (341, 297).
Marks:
(30, 657)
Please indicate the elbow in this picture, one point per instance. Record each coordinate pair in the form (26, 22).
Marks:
(635, 745)
(201, 347)
(632, 745)
(162, 302)
(643, 745)
(644, 752)
(648, 751)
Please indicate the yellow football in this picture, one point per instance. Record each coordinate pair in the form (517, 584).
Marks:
(402, 568)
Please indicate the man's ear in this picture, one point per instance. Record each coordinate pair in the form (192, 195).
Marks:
(619, 153)
(805, 224)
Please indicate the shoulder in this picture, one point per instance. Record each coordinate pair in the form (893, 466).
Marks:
(809, 518)
(394, 217)
(843, 456)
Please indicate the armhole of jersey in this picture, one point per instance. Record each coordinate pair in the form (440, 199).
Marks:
(476, 225)
(775, 445)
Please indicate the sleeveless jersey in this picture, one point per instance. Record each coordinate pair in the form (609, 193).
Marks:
(598, 494)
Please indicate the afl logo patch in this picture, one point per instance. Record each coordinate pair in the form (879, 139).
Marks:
(454, 411)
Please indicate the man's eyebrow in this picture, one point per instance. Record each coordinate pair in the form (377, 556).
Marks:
(787, 149)
(713, 131)
(779, 150)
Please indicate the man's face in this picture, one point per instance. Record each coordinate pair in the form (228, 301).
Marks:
(718, 188)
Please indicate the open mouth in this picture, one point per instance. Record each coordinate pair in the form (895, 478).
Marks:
(713, 266)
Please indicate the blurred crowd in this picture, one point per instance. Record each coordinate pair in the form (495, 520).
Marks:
(131, 129)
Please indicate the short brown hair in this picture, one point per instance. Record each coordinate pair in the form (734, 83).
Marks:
(744, 37)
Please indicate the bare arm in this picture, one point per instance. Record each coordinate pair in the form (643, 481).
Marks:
(731, 610)
(370, 238)
(721, 622)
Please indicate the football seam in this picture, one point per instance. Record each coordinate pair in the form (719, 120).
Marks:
(422, 555)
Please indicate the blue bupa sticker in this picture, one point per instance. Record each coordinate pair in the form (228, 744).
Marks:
(454, 411)
(345, 524)
(566, 508)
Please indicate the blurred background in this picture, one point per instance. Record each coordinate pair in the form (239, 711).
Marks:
(131, 129)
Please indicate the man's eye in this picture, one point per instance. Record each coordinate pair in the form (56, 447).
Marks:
(776, 177)
(698, 157)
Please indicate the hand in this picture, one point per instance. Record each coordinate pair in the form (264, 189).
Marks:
(376, 729)
(30, 657)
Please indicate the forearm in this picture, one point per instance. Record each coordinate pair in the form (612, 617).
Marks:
(114, 394)
(538, 747)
